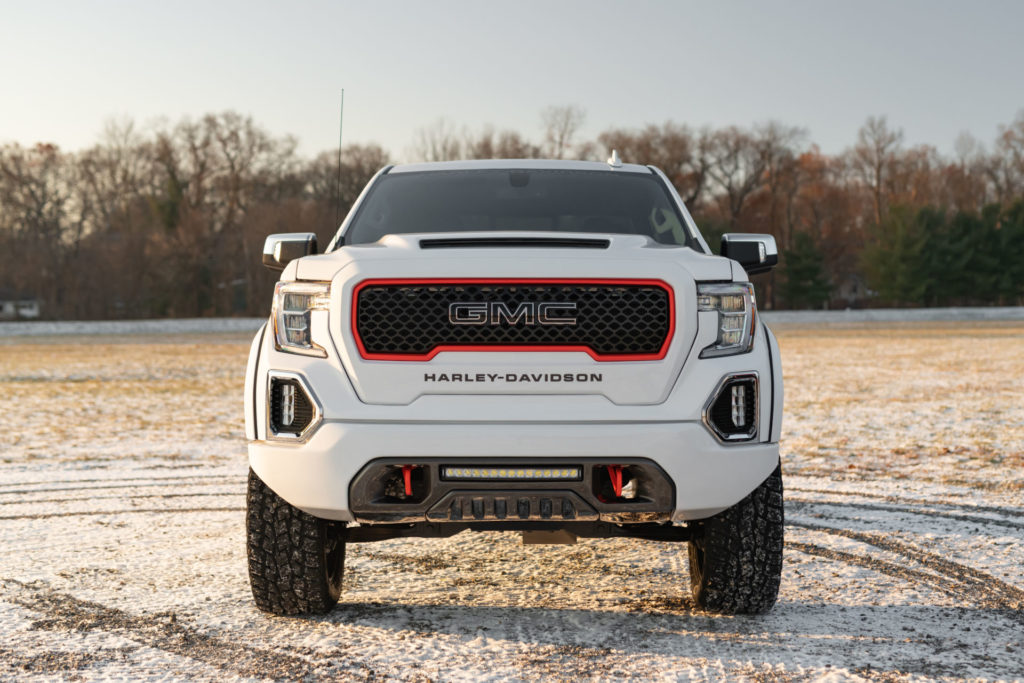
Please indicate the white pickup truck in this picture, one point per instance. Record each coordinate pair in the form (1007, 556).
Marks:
(539, 346)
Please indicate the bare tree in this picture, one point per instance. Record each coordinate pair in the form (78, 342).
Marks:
(965, 183)
(117, 173)
(780, 147)
(1006, 165)
(873, 157)
(736, 162)
(561, 124)
(673, 148)
(508, 144)
(915, 178)
(359, 163)
(43, 216)
(439, 141)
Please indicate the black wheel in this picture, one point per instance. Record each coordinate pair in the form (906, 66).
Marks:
(296, 560)
(736, 556)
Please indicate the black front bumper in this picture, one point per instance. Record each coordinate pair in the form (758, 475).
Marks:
(379, 493)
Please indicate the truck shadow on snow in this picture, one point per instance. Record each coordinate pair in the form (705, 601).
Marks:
(911, 639)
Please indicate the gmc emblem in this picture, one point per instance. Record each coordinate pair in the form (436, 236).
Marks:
(498, 312)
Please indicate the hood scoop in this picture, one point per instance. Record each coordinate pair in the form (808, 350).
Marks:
(513, 243)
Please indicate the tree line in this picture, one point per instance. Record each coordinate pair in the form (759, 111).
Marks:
(171, 221)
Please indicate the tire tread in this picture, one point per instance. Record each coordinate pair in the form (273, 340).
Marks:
(742, 553)
(284, 546)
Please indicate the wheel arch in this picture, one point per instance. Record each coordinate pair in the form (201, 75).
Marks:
(252, 421)
(775, 396)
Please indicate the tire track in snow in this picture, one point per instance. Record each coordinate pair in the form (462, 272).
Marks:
(64, 612)
(128, 496)
(97, 513)
(832, 476)
(1009, 512)
(970, 519)
(240, 481)
(972, 585)
(939, 583)
(117, 479)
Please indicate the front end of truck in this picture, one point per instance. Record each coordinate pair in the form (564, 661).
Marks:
(587, 384)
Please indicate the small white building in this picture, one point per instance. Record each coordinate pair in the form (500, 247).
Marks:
(15, 305)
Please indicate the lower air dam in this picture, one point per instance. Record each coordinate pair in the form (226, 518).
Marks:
(513, 377)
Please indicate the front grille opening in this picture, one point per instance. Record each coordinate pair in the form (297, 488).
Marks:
(409, 321)
(733, 414)
(291, 410)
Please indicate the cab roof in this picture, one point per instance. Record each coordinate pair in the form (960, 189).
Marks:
(518, 164)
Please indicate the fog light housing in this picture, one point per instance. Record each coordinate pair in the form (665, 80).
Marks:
(731, 412)
(292, 410)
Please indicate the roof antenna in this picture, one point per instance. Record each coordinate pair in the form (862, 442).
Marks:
(614, 161)
(341, 119)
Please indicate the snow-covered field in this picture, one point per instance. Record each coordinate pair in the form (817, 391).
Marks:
(122, 471)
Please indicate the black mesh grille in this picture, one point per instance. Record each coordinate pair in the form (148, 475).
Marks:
(721, 413)
(611, 319)
(303, 411)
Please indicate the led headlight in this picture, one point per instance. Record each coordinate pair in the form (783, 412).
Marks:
(737, 316)
(294, 303)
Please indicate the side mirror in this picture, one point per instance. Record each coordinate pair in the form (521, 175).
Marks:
(282, 248)
(756, 253)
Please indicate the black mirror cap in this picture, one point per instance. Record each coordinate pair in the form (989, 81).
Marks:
(280, 249)
(756, 253)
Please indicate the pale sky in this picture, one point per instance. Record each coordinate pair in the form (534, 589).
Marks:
(935, 68)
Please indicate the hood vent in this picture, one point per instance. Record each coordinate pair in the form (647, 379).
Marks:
(513, 243)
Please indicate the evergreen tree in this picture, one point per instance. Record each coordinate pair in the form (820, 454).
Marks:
(1011, 251)
(805, 284)
(892, 261)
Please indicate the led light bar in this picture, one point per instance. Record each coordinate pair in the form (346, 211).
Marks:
(477, 473)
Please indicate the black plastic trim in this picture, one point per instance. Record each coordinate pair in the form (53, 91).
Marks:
(376, 496)
(339, 238)
(513, 243)
(665, 532)
(256, 384)
(771, 380)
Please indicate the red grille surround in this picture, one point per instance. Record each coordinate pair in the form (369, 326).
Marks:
(602, 357)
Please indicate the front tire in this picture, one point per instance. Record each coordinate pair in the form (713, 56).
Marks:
(736, 556)
(296, 560)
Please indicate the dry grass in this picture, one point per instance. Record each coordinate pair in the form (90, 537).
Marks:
(101, 400)
(915, 400)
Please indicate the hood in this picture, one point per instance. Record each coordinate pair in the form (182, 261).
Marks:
(419, 314)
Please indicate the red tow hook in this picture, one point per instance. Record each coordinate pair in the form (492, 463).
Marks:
(615, 474)
(407, 476)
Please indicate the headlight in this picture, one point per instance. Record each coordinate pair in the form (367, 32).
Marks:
(294, 303)
(737, 313)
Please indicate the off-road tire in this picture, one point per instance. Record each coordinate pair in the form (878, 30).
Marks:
(736, 556)
(296, 560)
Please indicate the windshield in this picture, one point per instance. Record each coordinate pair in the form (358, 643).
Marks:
(502, 199)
